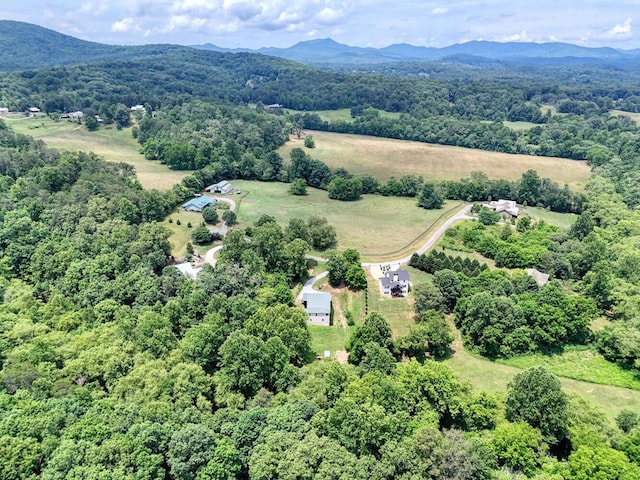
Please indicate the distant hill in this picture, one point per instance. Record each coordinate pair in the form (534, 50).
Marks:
(27, 46)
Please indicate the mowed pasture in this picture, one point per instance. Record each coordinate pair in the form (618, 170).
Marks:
(374, 224)
(384, 157)
(110, 143)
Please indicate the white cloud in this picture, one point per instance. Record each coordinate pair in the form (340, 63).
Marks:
(125, 25)
(518, 37)
(439, 11)
(621, 30)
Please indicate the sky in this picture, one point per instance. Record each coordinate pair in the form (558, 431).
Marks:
(364, 23)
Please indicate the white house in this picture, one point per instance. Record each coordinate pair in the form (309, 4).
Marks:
(318, 308)
(396, 283)
(506, 208)
(138, 108)
(3, 110)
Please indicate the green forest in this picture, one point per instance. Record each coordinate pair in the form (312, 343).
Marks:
(114, 365)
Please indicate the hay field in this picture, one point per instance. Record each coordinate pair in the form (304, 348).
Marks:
(108, 142)
(374, 225)
(384, 157)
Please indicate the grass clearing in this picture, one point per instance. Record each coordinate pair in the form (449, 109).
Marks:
(494, 377)
(384, 157)
(562, 220)
(374, 225)
(331, 338)
(519, 126)
(110, 143)
(632, 115)
(342, 114)
(580, 364)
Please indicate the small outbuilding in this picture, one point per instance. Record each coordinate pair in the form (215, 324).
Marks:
(318, 308)
(3, 110)
(197, 204)
(396, 283)
(223, 187)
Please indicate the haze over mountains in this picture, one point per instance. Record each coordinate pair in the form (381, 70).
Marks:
(328, 51)
(27, 46)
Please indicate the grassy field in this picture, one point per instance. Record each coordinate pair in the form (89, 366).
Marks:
(108, 142)
(519, 126)
(581, 364)
(383, 158)
(494, 377)
(343, 114)
(373, 225)
(633, 116)
(562, 220)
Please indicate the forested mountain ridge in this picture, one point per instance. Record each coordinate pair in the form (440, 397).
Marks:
(328, 51)
(26, 46)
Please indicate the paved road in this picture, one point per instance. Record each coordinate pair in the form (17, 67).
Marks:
(308, 285)
(209, 257)
(230, 201)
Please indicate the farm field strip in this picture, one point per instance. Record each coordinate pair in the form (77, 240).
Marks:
(384, 157)
(108, 142)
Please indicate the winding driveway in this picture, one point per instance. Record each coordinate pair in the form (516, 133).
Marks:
(463, 214)
(209, 257)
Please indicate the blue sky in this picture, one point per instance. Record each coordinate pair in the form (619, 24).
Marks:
(376, 23)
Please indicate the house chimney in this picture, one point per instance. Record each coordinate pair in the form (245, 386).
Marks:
(395, 276)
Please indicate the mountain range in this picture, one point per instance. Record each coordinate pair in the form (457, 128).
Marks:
(329, 51)
(27, 46)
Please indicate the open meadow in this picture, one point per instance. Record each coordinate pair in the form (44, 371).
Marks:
(384, 157)
(342, 114)
(494, 377)
(374, 225)
(110, 143)
(632, 115)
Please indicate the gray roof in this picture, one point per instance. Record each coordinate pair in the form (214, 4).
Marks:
(317, 302)
(388, 279)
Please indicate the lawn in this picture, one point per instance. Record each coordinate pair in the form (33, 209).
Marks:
(494, 377)
(331, 338)
(581, 364)
(397, 311)
(110, 143)
(375, 225)
(181, 234)
(562, 220)
(384, 157)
